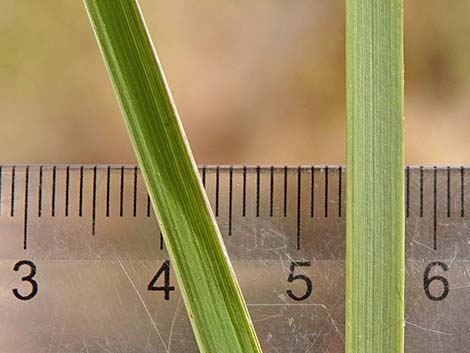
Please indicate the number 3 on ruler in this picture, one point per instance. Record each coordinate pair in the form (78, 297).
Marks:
(28, 278)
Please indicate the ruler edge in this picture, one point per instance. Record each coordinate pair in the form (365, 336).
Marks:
(220, 166)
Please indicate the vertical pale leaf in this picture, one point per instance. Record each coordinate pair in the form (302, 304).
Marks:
(375, 177)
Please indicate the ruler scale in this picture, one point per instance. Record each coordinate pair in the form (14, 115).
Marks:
(83, 266)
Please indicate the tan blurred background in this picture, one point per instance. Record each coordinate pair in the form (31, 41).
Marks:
(254, 81)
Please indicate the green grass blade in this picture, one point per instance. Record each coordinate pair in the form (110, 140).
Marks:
(213, 299)
(375, 177)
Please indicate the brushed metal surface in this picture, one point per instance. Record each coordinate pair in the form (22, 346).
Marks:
(93, 295)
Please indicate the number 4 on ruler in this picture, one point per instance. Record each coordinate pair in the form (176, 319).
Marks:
(165, 270)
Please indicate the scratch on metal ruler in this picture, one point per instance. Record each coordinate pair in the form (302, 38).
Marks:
(143, 304)
(178, 306)
(85, 345)
(324, 324)
(428, 329)
(423, 245)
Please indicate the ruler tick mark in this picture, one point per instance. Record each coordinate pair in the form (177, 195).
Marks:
(435, 209)
(407, 192)
(1, 175)
(230, 200)
(312, 191)
(285, 191)
(421, 193)
(148, 205)
(121, 194)
(462, 191)
(134, 205)
(244, 193)
(40, 193)
(161, 241)
(67, 190)
(217, 187)
(299, 215)
(108, 187)
(326, 192)
(54, 173)
(25, 223)
(80, 194)
(257, 190)
(204, 176)
(12, 193)
(448, 191)
(340, 190)
(93, 207)
(271, 191)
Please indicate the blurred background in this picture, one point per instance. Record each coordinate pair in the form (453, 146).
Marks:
(258, 82)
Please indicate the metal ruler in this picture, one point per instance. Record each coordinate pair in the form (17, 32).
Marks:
(84, 269)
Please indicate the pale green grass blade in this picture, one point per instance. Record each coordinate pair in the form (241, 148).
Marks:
(212, 296)
(375, 177)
